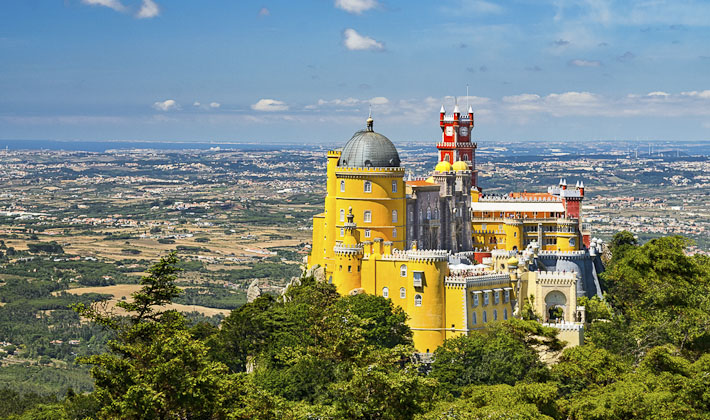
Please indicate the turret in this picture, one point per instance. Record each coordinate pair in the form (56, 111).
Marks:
(457, 114)
(470, 115)
(581, 188)
(442, 113)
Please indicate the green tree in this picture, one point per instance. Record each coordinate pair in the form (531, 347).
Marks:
(502, 354)
(155, 369)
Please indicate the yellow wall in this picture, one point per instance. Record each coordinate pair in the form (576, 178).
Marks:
(381, 201)
(346, 272)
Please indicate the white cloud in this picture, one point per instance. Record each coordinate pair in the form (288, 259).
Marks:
(356, 6)
(379, 100)
(166, 105)
(111, 4)
(269, 105)
(658, 94)
(354, 41)
(264, 12)
(197, 104)
(215, 105)
(704, 94)
(149, 9)
(585, 63)
(524, 97)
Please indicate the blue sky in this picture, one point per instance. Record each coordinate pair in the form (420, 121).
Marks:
(307, 71)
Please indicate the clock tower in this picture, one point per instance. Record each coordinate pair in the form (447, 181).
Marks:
(456, 141)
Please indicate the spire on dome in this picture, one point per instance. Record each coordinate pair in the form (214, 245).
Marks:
(456, 106)
(470, 110)
(370, 120)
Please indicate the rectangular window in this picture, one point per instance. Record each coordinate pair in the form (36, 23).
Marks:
(506, 296)
(342, 186)
(496, 297)
(485, 298)
(367, 233)
(418, 276)
(350, 269)
(342, 232)
(367, 218)
(394, 186)
(367, 187)
(394, 232)
(475, 299)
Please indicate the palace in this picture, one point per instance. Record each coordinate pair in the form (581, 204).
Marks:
(452, 257)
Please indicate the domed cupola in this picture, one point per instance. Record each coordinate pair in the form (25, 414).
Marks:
(367, 148)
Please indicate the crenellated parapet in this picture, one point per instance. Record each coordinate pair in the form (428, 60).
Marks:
(478, 280)
(557, 277)
(565, 255)
(421, 255)
(347, 250)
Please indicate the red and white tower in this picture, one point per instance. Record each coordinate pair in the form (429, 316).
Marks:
(456, 141)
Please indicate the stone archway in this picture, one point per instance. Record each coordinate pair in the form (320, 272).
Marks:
(555, 305)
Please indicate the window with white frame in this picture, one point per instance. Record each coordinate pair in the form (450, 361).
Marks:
(367, 216)
(506, 296)
(496, 297)
(418, 300)
(342, 232)
(485, 298)
(367, 233)
(475, 299)
(402, 293)
(394, 186)
(367, 186)
(403, 270)
(418, 277)
(342, 215)
(385, 292)
(394, 216)
(342, 186)
(394, 232)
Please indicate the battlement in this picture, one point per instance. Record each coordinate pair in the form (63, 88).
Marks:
(345, 170)
(477, 280)
(426, 255)
(557, 277)
(453, 145)
(565, 326)
(490, 198)
(334, 153)
(564, 254)
(343, 249)
(462, 117)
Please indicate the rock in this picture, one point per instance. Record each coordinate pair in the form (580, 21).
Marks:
(253, 291)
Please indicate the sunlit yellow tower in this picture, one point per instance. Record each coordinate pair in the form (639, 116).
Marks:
(365, 176)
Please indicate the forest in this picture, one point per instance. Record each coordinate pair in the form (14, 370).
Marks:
(313, 354)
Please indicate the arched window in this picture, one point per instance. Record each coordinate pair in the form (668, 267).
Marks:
(474, 321)
(485, 317)
(367, 187)
(495, 314)
(464, 157)
(394, 216)
(367, 217)
(342, 215)
(402, 293)
(385, 292)
(394, 186)
(428, 213)
(446, 158)
(394, 232)
(417, 300)
(342, 186)
(403, 270)
(505, 313)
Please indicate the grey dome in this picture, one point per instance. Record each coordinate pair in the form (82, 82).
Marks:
(367, 148)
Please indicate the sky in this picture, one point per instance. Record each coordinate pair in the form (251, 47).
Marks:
(310, 70)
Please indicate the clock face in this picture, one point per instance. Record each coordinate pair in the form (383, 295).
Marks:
(464, 131)
(449, 130)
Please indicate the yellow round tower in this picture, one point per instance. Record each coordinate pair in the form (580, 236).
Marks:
(369, 179)
(348, 259)
(566, 235)
(513, 234)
